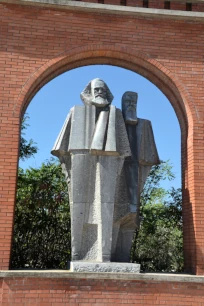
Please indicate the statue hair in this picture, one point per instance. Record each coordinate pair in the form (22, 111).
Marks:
(86, 94)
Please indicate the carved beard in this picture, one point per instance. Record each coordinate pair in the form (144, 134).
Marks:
(130, 116)
(100, 102)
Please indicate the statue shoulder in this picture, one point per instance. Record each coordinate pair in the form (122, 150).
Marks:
(144, 121)
(117, 109)
(144, 125)
(144, 128)
(147, 149)
(62, 141)
(118, 112)
(75, 108)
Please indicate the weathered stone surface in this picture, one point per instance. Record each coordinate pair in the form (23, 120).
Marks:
(115, 267)
(106, 164)
(157, 277)
(129, 107)
(132, 178)
(92, 146)
(97, 93)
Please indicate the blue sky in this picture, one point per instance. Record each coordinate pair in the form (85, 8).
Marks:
(50, 106)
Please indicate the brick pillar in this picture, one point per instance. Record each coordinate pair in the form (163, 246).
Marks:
(8, 169)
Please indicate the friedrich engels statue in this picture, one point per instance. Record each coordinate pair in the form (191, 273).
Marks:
(106, 156)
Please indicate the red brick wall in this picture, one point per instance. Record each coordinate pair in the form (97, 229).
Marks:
(37, 44)
(88, 292)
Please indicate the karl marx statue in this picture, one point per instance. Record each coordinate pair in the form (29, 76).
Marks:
(106, 156)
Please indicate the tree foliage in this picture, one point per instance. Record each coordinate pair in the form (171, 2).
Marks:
(27, 148)
(42, 219)
(158, 245)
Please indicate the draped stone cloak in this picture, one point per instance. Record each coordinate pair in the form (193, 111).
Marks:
(134, 173)
(92, 147)
(136, 167)
(83, 132)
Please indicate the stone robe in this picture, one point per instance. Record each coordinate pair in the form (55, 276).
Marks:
(133, 176)
(106, 164)
(92, 146)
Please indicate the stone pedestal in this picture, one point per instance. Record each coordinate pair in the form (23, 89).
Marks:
(86, 266)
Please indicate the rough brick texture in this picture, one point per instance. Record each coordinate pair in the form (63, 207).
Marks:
(88, 292)
(39, 43)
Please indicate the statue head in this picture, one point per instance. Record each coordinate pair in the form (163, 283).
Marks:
(97, 93)
(129, 107)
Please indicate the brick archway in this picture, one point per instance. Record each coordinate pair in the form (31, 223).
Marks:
(123, 57)
(41, 39)
(154, 71)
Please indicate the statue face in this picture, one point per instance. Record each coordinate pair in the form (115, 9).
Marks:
(129, 103)
(99, 93)
(99, 89)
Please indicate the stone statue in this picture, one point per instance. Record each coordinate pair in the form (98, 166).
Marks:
(134, 173)
(92, 146)
(106, 156)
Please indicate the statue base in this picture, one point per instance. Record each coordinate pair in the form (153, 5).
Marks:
(120, 267)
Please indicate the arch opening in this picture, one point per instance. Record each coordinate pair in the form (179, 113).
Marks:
(129, 59)
(169, 92)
